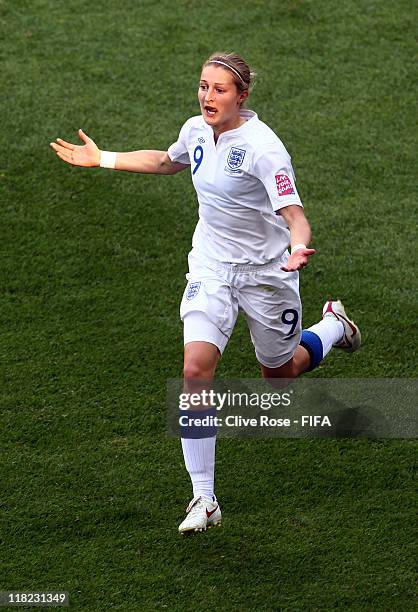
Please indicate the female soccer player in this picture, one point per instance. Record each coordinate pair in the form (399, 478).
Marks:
(249, 214)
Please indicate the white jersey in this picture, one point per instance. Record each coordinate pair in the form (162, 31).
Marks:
(240, 182)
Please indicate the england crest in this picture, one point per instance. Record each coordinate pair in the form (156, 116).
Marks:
(235, 158)
(192, 290)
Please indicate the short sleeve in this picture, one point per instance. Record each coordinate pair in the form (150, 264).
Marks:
(274, 169)
(178, 152)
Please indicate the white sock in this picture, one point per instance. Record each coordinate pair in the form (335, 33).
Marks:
(329, 331)
(199, 457)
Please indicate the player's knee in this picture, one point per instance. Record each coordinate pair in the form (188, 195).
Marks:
(197, 369)
(281, 376)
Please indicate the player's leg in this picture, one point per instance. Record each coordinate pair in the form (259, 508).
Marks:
(335, 330)
(299, 363)
(200, 361)
(270, 299)
(209, 313)
(271, 302)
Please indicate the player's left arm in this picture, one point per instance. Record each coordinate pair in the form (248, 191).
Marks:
(300, 234)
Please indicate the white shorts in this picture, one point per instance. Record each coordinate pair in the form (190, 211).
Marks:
(268, 296)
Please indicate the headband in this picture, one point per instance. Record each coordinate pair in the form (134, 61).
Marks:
(230, 68)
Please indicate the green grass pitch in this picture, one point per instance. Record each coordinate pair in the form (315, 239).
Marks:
(92, 271)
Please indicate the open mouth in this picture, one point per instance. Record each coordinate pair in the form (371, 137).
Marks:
(210, 110)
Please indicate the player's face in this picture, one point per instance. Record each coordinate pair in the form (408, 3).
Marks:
(219, 98)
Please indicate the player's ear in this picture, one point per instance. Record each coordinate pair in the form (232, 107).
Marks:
(243, 96)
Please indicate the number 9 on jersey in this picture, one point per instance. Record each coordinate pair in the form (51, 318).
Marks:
(198, 157)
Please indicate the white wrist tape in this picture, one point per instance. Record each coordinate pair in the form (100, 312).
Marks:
(108, 159)
(296, 247)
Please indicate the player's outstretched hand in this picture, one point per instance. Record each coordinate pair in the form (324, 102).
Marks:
(87, 155)
(298, 260)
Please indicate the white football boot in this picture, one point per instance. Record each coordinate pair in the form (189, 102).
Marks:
(202, 513)
(351, 339)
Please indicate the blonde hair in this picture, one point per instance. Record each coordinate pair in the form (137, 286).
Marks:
(240, 70)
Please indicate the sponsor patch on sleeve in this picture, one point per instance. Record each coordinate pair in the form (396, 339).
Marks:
(284, 185)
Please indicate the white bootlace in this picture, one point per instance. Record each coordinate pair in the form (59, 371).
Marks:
(194, 507)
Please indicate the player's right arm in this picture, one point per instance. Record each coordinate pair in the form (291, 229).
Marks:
(88, 156)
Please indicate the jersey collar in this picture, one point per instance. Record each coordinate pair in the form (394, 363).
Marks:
(247, 114)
